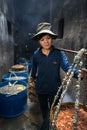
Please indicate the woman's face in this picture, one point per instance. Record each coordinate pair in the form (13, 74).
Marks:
(46, 41)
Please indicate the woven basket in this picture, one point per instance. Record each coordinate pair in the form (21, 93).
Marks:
(65, 106)
(17, 67)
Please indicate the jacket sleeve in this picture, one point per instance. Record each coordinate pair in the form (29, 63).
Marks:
(34, 67)
(64, 62)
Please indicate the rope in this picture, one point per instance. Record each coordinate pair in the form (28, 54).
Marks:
(65, 84)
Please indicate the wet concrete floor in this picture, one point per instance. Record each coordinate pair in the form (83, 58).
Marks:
(30, 120)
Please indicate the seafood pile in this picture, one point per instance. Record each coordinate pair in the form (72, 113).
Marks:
(65, 119)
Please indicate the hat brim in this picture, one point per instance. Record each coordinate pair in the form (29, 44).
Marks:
(54, 36)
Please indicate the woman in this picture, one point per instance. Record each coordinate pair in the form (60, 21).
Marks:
(47, 61)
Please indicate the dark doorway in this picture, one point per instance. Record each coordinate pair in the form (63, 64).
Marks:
(9, 28)
(61, 28)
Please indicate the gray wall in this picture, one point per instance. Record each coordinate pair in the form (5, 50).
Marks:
(74, 15)
(6, 40)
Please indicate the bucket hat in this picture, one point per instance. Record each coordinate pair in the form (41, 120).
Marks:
(44, 28)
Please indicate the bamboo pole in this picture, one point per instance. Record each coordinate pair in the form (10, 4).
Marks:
(70, 51)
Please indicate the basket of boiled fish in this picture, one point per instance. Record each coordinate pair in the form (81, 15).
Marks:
(13, 98)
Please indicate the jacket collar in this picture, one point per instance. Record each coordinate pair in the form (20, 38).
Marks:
(52, 49)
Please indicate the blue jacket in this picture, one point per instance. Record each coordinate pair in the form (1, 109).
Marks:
(46, 70)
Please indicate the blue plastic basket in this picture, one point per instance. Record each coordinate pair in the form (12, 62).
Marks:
(13, 105)
(7, 77)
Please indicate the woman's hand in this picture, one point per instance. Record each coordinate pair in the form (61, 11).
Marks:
(84, 73)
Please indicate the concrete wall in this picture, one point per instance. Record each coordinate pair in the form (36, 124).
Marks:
(74, 14)
(73, 35)
(6, 40)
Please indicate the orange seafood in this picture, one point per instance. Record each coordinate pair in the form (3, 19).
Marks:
(65, 119)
